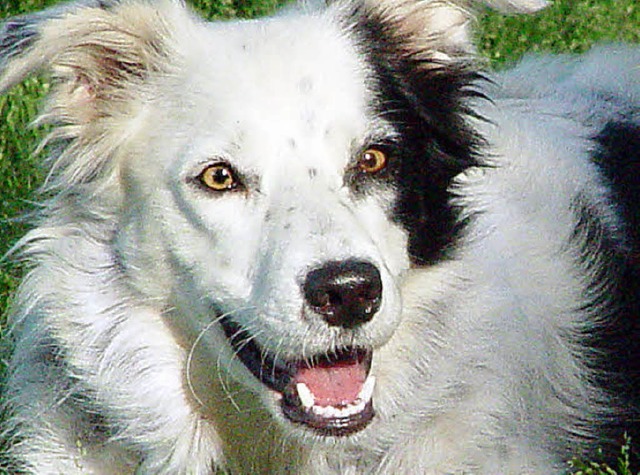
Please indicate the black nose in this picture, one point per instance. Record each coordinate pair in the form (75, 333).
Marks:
(345, 293)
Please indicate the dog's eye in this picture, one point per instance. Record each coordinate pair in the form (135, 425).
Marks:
(219, 177)
(372, 160)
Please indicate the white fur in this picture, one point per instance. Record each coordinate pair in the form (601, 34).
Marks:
(128, 256)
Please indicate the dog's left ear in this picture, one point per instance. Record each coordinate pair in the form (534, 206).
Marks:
(438, 31)
(100, 55)
(516, 6)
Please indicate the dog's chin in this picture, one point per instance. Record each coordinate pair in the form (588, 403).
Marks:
(328, 394)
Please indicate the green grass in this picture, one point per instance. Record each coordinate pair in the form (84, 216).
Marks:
(567, 26)
(580, 467)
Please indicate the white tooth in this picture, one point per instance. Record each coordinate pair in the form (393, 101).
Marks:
(305, 395)
(352, 409)
(367, 389)
(336, 412)
(325, 411)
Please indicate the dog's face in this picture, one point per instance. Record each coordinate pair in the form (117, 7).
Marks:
(268, 182)
(270, 212)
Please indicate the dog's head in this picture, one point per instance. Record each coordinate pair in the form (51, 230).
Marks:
(268, 183)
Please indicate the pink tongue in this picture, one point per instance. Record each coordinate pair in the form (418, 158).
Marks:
(336, 384)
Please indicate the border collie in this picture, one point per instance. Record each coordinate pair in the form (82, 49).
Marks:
(322, 242)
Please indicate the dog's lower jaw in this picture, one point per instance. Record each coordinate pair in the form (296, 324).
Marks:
(333, 421)
(246, 422)
(329, 394)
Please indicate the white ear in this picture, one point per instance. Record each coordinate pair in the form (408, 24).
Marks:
(517, 6)
(95, 51)
(439, 30)
(99, 54)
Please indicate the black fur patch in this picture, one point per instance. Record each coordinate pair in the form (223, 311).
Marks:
(617, 279)
(425, 100)
(619, 160)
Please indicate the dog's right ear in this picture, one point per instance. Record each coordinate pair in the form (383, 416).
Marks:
(99, 54)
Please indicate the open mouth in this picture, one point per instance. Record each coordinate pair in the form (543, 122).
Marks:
(329, 393)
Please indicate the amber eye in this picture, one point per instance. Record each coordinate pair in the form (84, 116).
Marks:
(372, 160)
(219, 177)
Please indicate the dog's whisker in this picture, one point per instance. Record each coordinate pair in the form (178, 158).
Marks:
(192, 350)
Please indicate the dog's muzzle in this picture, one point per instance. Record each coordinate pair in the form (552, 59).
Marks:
(330, 393)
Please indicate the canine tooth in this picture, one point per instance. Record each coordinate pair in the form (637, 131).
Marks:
(305, 395)
(367, 389)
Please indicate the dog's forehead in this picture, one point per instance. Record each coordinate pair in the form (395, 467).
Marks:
(307, 54)
(292, 83)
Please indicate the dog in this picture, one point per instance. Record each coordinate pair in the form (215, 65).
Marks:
(328, 241)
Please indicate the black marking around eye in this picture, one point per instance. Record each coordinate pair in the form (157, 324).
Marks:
(426, 104)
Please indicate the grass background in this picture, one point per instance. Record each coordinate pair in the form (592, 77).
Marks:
(566, 26)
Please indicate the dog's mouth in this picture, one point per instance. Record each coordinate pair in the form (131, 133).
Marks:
(330, 393)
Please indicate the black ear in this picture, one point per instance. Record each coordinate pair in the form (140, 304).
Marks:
(100, 55)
